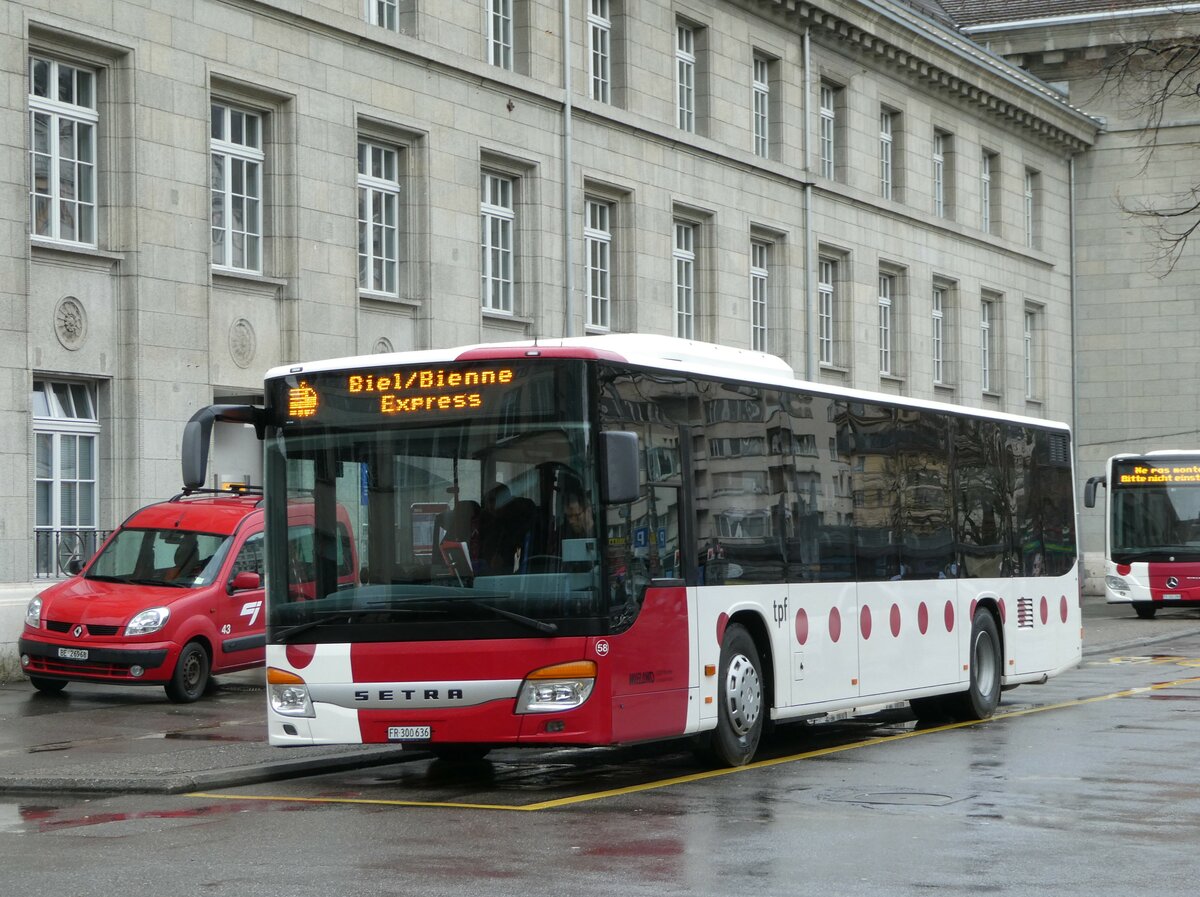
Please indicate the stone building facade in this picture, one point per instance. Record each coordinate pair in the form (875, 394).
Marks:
(193, 193)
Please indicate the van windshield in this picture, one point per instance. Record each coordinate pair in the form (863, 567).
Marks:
(160, 557)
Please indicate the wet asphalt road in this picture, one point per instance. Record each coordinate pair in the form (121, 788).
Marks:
(1082, 786)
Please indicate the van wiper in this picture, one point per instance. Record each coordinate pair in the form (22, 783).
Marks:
(340, 616)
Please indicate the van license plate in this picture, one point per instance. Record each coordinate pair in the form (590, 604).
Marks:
(73, 653)
(409, 733)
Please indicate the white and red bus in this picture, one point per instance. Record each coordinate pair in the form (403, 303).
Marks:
(616, 539)
(1152, 529)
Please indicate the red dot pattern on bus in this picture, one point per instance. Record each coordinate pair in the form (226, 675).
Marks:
(300, 656)
(835, 624)
(801, 626)
(864, 622)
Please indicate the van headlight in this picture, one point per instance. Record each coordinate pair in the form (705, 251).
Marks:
(33, 613)
(148, 621)
(288, 694)
(563, 686)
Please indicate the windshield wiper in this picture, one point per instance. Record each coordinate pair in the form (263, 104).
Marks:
(531, 622)
(339, 616)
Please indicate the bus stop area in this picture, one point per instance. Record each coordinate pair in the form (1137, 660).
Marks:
(104, 740)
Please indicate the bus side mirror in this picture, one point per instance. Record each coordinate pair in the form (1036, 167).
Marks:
(619, 471)
(1089, 490)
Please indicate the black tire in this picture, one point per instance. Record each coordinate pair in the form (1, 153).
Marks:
(190, 679)
(930, 710)
(982, 696)
(1145, 609)
(47, 686)
(459, 753)
(741, 700)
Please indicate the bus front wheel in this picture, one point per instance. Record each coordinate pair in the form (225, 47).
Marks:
(982, 696)
(740, 700)
(1144, 609)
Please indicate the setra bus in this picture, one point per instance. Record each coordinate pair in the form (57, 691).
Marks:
(1152, 529)
(623, 538)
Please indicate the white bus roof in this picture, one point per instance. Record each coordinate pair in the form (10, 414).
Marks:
(647, 350)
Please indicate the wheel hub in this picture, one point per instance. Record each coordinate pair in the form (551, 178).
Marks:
(743, 694)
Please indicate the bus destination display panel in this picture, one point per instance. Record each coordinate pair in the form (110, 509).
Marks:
(1146, 473)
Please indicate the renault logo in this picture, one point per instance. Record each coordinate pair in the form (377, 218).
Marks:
(1172, 582)
(77, 632)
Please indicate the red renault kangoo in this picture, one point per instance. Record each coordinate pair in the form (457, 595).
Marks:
(172, 598)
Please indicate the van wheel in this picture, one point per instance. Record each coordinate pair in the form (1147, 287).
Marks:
(740, 700)
(190, 678)
(47, 686)
(982, 696)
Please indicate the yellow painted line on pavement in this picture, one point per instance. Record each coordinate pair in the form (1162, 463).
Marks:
(712, 773)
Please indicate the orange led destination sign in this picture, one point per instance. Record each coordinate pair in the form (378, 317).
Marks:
(399, 392)
(1144, 474)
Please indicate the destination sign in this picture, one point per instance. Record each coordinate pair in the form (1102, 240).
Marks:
(1144, 473)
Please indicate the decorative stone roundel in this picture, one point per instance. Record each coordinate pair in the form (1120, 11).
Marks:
(242, 344)
(70, 322)
(383, 345)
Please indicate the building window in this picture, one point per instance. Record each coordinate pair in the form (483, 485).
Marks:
(600, 50)
(498, 216)
(597, 238)
(941, 142)
(827, 309)
(500, 33)
(1031, 352)
(66, 430)
(62, 156)
(1032, 179)
(987, 318)
(828, 130)
(938, 339)
(684, 256)
(761, 99)
(760, 262)
(384, 13)
(685, 75)
(989, 173)
(887, 291)
(378, 218)
(237, 169)
(887, 121)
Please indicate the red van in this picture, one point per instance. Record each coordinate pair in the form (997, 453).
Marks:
(172, 598)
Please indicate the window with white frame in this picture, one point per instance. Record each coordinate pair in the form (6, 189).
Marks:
(987, 339)
(988, 182)
(827, 309)
(378, 217)
(500, 33)
(941, 142)
(1031, 352)
(828, 130)
(237, 188)
(760, 266)
(600, 50)
(1030, 207)
(66, 430)
(887, 122)
(685, 75)
(62, 153)
(384, 13)
(761, 102)
(597, 239)
(938, 333)
(887, 295)
(498, 218)
(684, 257)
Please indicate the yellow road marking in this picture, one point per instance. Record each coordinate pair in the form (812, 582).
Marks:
(708, 774)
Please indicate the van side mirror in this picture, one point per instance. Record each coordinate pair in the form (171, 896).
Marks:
(245, 581)
(618, 467)
(1089, 490)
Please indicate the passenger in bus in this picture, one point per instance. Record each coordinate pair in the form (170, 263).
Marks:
(505, 531)
(577, 517)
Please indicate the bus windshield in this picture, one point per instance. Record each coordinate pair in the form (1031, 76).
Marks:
(469, 522)
(1155, 512)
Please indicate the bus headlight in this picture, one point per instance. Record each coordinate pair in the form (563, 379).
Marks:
(148, 621)
(563, 686)
(288, 694)
(33, 613)
(1116, 583)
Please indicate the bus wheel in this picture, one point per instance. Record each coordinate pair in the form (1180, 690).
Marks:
(740, 700)
(929, 710)
(47, 686)
(190, 678)
(1145, 609)
(982, 696)
(460, 753)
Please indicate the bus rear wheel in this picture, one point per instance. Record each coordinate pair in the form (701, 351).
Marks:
(982, 696)
(740, 700)
(1145, 609)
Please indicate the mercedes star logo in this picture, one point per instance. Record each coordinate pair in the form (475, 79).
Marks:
(1172, 582)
